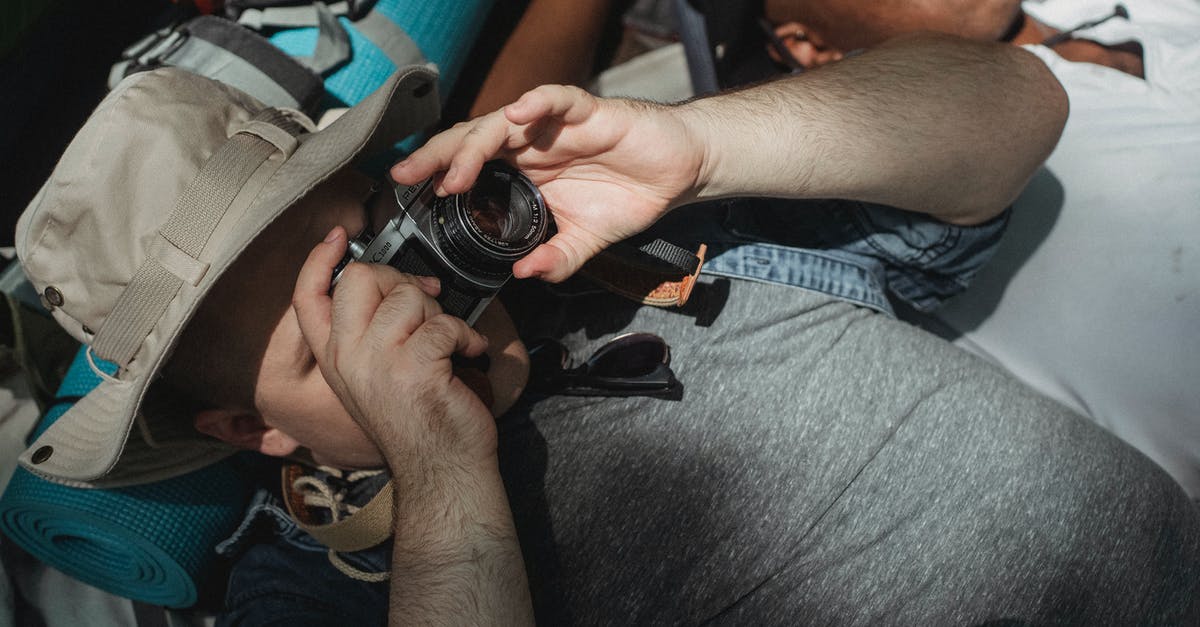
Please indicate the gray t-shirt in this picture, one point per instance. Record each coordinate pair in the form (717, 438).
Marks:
(827, 464)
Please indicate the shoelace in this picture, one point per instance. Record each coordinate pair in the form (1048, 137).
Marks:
(317, 493)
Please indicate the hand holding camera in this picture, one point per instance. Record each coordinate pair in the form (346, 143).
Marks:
(608, 169)
(469, 241)
(385, 347)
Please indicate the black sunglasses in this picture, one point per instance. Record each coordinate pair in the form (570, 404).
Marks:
(634, 364)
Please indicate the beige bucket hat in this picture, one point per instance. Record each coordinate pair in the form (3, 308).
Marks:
(167, 182)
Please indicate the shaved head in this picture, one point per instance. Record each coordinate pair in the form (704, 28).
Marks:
(851, 24)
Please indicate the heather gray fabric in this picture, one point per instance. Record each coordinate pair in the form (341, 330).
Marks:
(829, 465)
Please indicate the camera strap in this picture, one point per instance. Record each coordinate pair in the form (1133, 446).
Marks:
(370, 525)
(648, 271)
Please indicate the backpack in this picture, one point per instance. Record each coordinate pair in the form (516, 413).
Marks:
(314, 56)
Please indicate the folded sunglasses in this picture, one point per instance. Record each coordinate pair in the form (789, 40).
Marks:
(634, 364)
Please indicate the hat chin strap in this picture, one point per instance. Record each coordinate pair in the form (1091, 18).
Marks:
(174, 256)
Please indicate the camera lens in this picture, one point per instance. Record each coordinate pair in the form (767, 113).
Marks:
(500, 220)
(499, 209)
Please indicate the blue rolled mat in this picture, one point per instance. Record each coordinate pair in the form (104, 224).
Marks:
(152, 543)
(444, 30)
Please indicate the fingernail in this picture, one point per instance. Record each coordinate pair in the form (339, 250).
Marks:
(430, 281)
(403, 163)
(333, 236)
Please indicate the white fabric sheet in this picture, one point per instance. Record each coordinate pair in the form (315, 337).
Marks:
(1094, 295)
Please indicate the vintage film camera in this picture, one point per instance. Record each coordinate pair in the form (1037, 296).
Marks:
(468, 240)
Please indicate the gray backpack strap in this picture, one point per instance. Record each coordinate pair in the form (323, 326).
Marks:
(221, 50)
(333, 43)
(400, 49)
(380, 30)
(288, 16)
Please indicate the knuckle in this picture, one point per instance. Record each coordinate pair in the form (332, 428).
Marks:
(406, 290)
(405, 280)
(447, 324)
(444, 328)
(356, 271)
(441, 335)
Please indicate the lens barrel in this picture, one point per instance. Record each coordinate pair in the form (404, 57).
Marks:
(499, 221)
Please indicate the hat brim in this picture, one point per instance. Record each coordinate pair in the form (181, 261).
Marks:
(91, 445)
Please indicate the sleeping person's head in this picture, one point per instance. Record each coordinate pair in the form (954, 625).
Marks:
(168, 240)
(818, 31)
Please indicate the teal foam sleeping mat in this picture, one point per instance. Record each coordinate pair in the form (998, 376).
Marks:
(152, 543)
(444, 30)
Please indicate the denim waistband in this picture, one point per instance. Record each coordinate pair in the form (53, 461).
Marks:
(831, 272)
(861, 253)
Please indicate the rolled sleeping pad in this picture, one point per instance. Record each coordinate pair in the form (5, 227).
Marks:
(444, 30)
(152, 543)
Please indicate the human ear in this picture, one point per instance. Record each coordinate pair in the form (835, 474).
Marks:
(244, 430)
(807, 45)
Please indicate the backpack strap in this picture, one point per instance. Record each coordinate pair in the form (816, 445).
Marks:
(221, 50)
(267, 15)
(333, 43)
(399, 48)
(378, 28)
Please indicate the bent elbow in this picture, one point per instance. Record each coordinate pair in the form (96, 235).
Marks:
(1041, 107)
(1048, 97)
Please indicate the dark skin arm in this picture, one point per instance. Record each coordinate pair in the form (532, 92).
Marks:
(554, 43)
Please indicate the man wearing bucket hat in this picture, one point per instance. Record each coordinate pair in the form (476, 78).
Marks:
(827, 463)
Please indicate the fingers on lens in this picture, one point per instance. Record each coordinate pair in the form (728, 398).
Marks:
(433, 157)
(482, 141)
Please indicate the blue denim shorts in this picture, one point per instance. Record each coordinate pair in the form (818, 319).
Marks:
(867, 254)
(282, 576)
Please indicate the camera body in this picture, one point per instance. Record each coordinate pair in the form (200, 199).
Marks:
(469, 241)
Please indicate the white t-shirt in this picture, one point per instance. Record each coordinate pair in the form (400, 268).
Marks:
(1094, 295)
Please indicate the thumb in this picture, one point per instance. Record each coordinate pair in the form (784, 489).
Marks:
(559, 258)
(542, 262)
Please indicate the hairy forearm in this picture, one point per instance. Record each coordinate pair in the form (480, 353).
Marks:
(555, 42)
(456, 559)
(927, 123)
